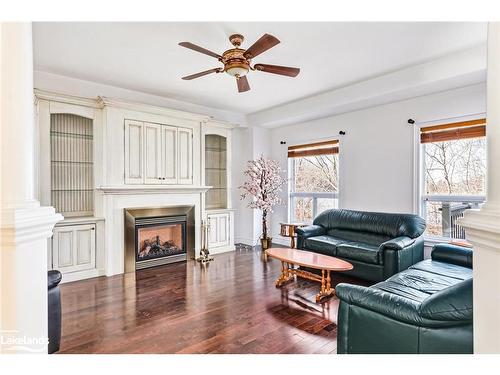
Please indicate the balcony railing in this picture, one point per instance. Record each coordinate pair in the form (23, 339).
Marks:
(442, 211)
(305, 206)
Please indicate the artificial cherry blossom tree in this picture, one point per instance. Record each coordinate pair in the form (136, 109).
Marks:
(263, 186)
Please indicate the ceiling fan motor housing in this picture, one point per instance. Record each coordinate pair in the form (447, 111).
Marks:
(235, 64)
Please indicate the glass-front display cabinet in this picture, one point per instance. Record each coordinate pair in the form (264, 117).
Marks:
(216, 171)
(217, 157)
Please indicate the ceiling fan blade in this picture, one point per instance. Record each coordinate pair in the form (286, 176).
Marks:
(242, 84)
(196, 48)
(276, 69)
(265, 42)
(201, 74)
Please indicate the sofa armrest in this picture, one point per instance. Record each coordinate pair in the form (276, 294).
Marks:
(453, 303)
(398, 243)
(458, 255)
(389, 305)
(377, 300)
(310, 231)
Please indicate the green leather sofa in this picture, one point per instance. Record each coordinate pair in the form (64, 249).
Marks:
(424, 309)
(378, 245)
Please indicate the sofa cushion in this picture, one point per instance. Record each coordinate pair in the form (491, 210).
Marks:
(416, 284)
(446, 269)
(359, 251)
(353, 236)
(393, 225)
(323, 244)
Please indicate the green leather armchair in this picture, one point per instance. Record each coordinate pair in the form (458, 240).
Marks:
(377, 244)
(424, 309)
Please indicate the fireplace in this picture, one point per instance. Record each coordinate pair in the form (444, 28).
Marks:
(156, 236)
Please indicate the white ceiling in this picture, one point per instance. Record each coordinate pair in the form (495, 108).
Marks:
(146, 57)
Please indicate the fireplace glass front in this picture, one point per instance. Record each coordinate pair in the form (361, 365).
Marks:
(154, 241)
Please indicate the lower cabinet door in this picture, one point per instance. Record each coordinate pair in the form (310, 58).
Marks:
(73, 248)
(219, 230)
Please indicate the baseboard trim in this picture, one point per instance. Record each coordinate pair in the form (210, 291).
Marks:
(82, 275)
(245, 241)
(285, 241)
(222, 249)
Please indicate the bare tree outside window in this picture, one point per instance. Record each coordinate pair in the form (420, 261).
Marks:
(315, 178)
(457, 169)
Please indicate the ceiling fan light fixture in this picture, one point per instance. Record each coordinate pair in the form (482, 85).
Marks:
(237, 69)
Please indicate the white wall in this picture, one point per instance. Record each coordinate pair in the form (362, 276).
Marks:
(241, 152)
(376, 154)
(248, 144)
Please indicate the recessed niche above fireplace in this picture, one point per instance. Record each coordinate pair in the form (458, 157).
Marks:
(157, 236)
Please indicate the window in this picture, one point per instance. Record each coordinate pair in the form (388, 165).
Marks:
(453, 159)
(314, 179)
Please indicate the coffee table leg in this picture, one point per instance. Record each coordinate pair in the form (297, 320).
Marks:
(326, 288)
(285, 275)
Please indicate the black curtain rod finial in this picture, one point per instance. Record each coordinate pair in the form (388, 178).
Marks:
(341, 132)
(411, 121)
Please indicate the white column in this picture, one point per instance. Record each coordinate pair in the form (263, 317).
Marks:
(483, 226)
(24, 225)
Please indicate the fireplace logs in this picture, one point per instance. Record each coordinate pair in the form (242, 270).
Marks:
(153, 247)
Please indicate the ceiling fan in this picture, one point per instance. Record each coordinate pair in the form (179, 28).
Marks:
(237, 61)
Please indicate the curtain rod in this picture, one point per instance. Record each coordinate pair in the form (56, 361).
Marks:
(450, 119)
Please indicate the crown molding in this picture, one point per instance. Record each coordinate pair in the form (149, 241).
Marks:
(222, 124)
(102, 101)
(152, 109)
(65, 98)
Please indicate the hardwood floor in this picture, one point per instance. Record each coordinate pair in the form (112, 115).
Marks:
(230, 305)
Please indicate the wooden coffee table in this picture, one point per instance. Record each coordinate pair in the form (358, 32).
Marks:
(292, 257)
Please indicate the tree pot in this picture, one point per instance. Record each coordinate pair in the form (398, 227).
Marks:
(266, 243)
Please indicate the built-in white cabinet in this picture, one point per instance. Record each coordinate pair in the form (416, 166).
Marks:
(73, 248)
(217, 174)
(69, 166)
(95, 155)
(158, 154)
(220, 229)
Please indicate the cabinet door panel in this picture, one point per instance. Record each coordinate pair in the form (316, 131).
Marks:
(85, 242)
(185, 155)
(169, 154)
(63, 248)
(219, 230)
(134, 168)
(223, 229)
(73, 248)
(152, 152)
(212, 235)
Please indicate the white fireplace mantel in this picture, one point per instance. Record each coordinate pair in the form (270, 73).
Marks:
(153, 189)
